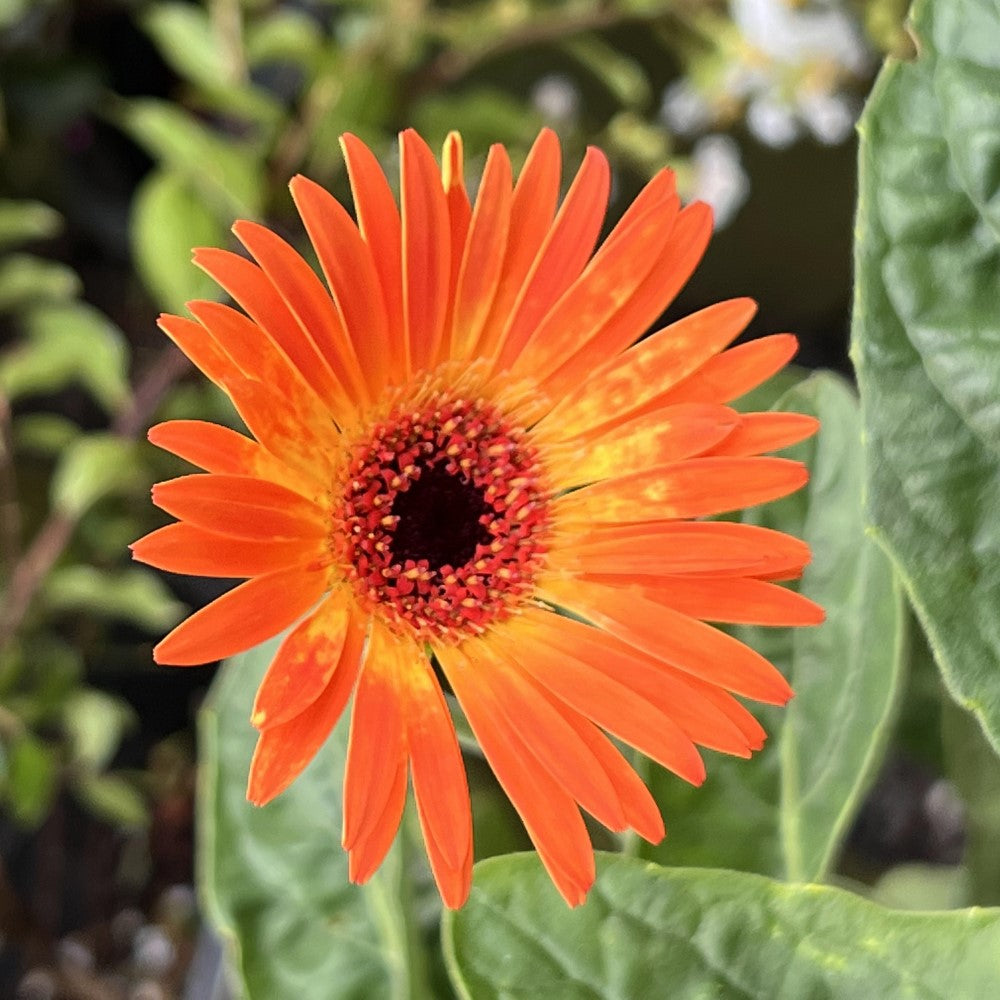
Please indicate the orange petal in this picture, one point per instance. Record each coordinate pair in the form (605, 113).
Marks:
(550, 816)
(240, 506)
(378, 220)
(533, 206)
(349, 266)
(737, 601)
(758, 433)
(303, 666)
(377, 744)
(554, 742)
(242, 618)
(657, 439)
(252, 289)
(697, 487)
(284, 750)
(622, 387)
(676, 695)
(562, 256)
(185, 548)
(642, 813)
(485, 250)
(613, 705)
(734, 373)
(371, 847)
(608, 283)
(669, 273)
(309, 302)
(196, 342)
(680, 641)
(426, 249)
(717, 548)
(439, 783)
(220, 449)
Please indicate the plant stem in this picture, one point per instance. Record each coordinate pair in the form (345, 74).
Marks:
(33, 566)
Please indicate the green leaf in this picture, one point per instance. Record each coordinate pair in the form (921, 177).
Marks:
(183, 34)
(228, 174)
(647, 933)
(926, 326)
(26, 280)
(93, 467)
(24, 221)
(66, 344)
(786, 811)
(32, 776)
(45, 433)
(274, 880)
(169, 217)
(113, 799)
(94, 723)
(135, 595)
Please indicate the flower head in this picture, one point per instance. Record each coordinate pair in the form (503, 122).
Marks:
(457, 459)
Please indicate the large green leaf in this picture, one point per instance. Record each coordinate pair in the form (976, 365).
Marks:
(647, 933)
(927, 332)
(274, 880)
(786, 811)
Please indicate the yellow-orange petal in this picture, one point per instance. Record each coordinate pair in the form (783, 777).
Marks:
(532, 209)
(305, 662)
(673, 548)
(186, 548)
(484, 253)
(561, 257)
(656, 439)
(608, 282)
(253, 290)
(378, 736)
(549, 814)
(284, 750)
(684, 643)
(624, 386)
(220, 449)
(696, 487)
(758, 433)
(426, 249)
(381, 230)
(256, 358)
(308, 301)
(242, 618)
(349, 267)
(669, 272)
(309, 449)
(197, 343)
(459, 216)
(737, 601)
(240, 506)
(735, 372)
(614, 706)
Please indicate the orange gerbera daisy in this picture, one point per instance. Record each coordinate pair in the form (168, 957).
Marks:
(453, 447)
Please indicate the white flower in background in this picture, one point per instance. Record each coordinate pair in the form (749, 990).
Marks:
(684, 109)
(556, 98)
(784, 65)
(719, 178)
(798, 33)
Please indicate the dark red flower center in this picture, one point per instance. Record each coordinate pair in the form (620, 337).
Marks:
(443, 517)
